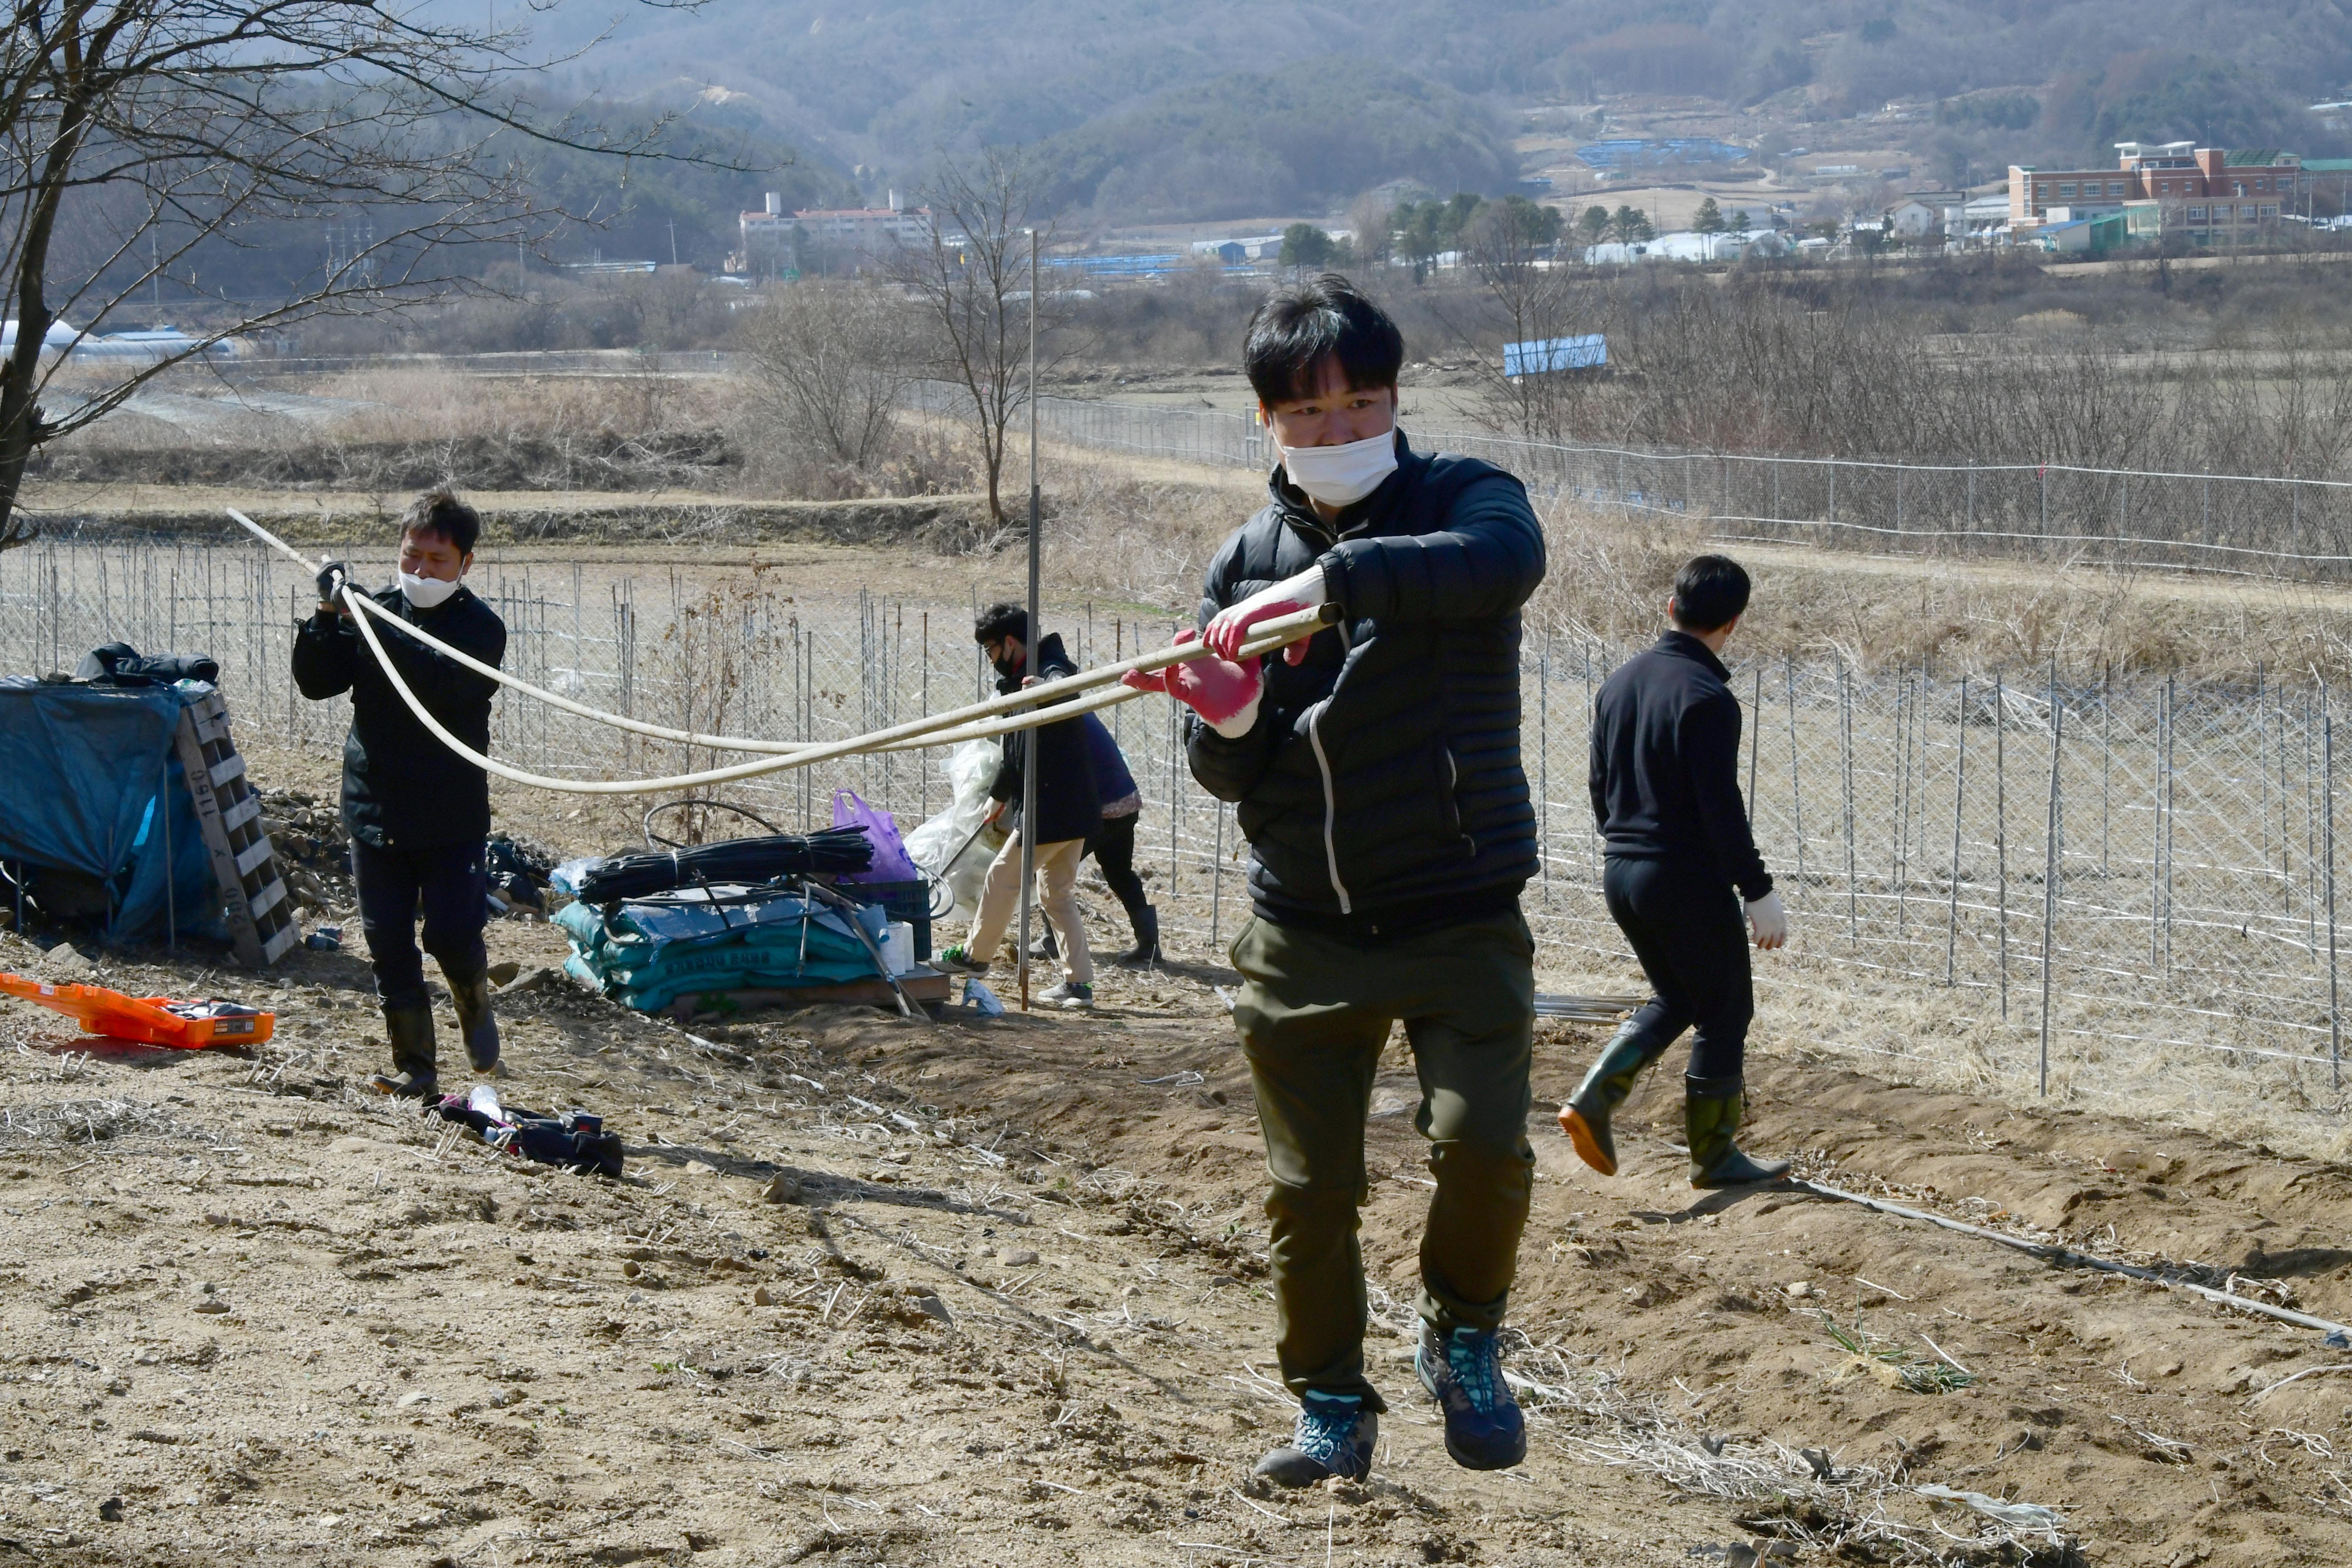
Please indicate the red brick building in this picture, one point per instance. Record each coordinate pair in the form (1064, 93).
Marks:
(2210, 196)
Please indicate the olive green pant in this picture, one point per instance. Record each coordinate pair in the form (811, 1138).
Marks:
(1313, 1013)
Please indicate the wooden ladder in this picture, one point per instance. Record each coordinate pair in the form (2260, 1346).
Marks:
(260, 910)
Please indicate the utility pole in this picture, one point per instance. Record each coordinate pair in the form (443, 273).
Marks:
(1029, 769)
(673, 242)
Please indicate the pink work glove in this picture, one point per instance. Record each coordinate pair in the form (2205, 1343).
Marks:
(1230, 628)
(1223, 693)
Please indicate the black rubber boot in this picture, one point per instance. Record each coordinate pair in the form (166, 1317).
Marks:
(1146, 951)
(477, 1026)
(413, 1076)
(1711, 1109)
(1585, 1118)
(1045, 946)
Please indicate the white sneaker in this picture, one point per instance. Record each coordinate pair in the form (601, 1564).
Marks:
(1070, 997)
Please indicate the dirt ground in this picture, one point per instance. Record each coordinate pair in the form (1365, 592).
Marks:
(882, 1291)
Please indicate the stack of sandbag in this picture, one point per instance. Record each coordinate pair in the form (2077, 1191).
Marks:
(647, 954)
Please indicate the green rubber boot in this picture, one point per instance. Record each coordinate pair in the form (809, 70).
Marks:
(1711, 1109)
(413, 1075)
(1585, 1119)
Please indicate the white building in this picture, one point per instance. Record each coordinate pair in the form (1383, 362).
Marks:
(1689, 246)
(1912, 219)
(851, 235)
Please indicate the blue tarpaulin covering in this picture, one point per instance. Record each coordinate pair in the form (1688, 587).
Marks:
(90, 781)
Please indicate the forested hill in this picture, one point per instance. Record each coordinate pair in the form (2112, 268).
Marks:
(1169, 107)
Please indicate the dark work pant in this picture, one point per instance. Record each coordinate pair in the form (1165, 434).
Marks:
(448, 881)
(1687, 929)
(1313, 1013)
(1113, 848)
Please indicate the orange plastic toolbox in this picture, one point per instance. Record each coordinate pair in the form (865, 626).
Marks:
(147, 1020)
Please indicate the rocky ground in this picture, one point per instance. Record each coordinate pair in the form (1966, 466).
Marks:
(882, 1291)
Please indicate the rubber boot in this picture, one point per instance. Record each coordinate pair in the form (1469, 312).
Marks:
(476, 1023)
(1711, 1109)
(410, 1030)
(1146, 951)
(1045, 946)
(1585, 1118)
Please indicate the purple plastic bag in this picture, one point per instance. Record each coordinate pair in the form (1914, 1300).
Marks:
(891, 861)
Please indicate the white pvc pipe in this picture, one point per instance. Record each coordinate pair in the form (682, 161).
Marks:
(998, 715)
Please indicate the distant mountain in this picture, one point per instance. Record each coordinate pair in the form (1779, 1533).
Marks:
(1172, 108)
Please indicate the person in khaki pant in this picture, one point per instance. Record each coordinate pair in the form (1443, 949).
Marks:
(1069, 812)
(1376, 769)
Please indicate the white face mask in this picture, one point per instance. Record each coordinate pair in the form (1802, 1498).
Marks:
(1336, 475)
(426, 592)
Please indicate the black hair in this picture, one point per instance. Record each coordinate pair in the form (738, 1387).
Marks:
(1710, 590)
(1001, 620)
(1297, 328)
(440, 511)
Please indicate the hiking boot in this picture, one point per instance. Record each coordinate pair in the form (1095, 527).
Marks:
(958, 960)
(1464, 1373)
(1335, 1437)
(1070, 997)
(476, 1023)
(1146, 951)
(1711, 1112)
(1585, 1118)
(410, 1030)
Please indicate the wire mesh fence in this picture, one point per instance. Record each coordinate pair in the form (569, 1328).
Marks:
(2247, 524)
(2102, 874)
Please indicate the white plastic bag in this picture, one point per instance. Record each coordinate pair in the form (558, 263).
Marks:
(956, 834)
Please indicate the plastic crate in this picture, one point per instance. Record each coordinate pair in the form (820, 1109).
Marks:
(909, 901)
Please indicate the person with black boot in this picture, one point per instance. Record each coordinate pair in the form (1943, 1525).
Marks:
(417, 814)
(1679, 860)
(1376, 766)
(1069, 811)
(1113, 849)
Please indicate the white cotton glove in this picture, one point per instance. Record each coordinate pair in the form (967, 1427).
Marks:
(1767, 923)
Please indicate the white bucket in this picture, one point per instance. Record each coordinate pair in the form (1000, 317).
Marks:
(899, 946)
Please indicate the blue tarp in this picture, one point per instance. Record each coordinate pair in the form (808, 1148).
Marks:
(90, 781)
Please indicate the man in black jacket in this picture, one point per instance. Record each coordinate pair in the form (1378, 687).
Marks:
(1376, 771)
(416, 811)
(1679, 859)
(1069, 814)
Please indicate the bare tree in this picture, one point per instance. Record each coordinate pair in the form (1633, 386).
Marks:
(973, 284)
(830, 362)
(1524, 295)
(144, 141)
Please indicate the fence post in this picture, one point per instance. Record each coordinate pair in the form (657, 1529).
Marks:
(1217, 880)
(2156, 846)
(1959, 794)
(1902, 798)
(2050, 869)
(2335, 1020)
(2000, 826)
(1846, 737)
(1755, 740)
(2171, 734)
(1543, 762)
(1796, 792)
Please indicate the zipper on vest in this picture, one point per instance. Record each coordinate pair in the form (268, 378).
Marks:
(1330, 804)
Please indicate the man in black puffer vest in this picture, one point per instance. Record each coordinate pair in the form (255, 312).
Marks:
(417, 813)
(1376, 769)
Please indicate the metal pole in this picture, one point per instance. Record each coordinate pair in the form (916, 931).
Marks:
(1029, 769)
(2001, 826)
(1217, 879)
(1845, 739)
(1543, 764)
(171, 889)
(2334, 1018)
(1902, 802)
(2050, 869)
(1796, 794)
(1959, 790)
